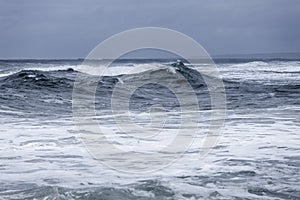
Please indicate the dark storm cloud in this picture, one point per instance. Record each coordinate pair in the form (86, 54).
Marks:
(60, 29)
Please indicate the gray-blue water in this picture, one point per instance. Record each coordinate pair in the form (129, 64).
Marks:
(256, 157)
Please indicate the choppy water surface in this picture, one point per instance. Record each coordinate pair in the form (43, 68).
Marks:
(257, 156)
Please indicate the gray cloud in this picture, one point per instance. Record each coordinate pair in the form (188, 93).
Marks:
(70, 29)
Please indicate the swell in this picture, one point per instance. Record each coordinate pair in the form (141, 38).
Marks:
(50, 92)
(32, 79)
(32, 92)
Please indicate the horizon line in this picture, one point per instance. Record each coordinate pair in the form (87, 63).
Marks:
(213, 56)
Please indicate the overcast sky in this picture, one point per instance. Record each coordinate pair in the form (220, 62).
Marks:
(71, 29)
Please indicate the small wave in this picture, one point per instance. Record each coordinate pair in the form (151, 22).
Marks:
(101, 69)
(30, 78)
(250, 64)
(9, 72)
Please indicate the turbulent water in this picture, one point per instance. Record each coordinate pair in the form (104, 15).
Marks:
(256, 157)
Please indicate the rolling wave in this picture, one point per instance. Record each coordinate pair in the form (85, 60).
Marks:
(35, 89)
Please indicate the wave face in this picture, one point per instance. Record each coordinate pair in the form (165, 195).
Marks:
(42, 156)
(247, 84)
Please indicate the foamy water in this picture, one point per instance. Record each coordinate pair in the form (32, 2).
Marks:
(256, 157)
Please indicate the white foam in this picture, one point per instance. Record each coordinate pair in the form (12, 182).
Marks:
(262, 72)
(117, 70)
(103, 70)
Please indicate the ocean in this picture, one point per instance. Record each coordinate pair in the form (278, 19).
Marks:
(44, 155)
